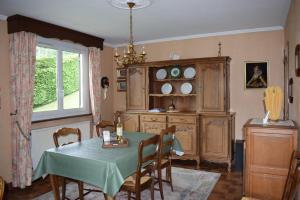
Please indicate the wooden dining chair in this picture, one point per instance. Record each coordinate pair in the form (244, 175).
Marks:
(2, 184)
(140, 181)
(293, 178)
(63, 132)
(104, 124)
(166, 148)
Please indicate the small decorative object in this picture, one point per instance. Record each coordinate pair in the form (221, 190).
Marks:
(119, 129)
(121, 86)
(256, 75)
(104, 85)
(220, 49)
(175, 72)
(106, 136)
(297, 60)
(161, 74)
(273, 102)
(186, 88)
(171, 107)
(174, 56)
(121, 73)
(166, 88)
(189, 72)
(290, 90)
(266, 118)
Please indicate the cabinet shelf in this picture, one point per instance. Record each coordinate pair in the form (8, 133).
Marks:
(172, 95)
(171, 79)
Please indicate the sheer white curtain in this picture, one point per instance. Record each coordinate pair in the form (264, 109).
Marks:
(22, 68)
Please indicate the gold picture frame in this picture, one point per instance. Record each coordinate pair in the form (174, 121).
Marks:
(256, 74)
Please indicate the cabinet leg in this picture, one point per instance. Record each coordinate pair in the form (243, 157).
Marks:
(198, 164)
(229, 167)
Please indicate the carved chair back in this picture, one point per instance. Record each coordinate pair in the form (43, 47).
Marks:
(63, 132)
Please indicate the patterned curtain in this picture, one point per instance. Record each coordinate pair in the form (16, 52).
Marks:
(22, 67)
(94, 82)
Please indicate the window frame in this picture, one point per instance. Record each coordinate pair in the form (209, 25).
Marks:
(61, 46)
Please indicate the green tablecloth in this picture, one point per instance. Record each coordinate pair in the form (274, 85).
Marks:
(89, 162)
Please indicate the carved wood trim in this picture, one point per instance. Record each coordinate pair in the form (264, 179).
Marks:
(18, 23)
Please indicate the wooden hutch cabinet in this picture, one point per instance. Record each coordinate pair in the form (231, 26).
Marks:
(268, 150)
(202, 116)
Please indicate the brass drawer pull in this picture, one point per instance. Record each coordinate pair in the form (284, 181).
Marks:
(153, 119)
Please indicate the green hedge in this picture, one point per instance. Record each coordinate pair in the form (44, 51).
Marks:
(45, 79)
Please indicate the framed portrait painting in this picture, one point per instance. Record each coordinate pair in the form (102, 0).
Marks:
(256, 75)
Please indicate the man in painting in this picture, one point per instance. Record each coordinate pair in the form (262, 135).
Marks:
(257, 80)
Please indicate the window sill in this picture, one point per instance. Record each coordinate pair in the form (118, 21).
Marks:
(60, 121)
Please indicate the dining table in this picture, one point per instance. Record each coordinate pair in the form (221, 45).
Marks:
(88, 161)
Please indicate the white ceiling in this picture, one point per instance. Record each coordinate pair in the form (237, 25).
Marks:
(162, 20)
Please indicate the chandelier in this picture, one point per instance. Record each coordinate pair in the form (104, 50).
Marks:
(130, 56)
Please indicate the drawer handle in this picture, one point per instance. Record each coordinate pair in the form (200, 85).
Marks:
(153, 119)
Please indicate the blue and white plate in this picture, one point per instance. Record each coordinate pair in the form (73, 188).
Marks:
(189, 72)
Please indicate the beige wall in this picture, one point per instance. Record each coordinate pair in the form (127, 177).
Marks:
(106, 70)
(260, 46)
(5, 140)
(292, 34)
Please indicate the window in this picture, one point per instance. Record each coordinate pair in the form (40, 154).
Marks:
(61, 80)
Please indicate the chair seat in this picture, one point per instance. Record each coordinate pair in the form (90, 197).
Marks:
(130, 180)
(164, 161)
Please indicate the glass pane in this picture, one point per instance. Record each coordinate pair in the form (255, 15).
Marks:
(71, 79)
(45, 95)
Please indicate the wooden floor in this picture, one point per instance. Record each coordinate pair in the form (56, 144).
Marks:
(229, 187)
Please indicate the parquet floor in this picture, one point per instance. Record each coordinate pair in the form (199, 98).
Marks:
(229, 186)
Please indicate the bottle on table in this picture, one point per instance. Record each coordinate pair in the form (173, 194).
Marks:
(119, 129)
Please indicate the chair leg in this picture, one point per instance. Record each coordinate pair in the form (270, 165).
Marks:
(160, 184)
(63, 191)
(152, 190)
(129, 195)
(80, 189)
(170, 176)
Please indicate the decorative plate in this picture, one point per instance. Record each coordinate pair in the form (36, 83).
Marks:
(175, 72)
(161, 74)
(189, 72)
(166, 88)
(186, 88)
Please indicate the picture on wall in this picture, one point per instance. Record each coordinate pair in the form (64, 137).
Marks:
(256, 75)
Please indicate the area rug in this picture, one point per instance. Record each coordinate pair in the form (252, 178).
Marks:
(188, 185)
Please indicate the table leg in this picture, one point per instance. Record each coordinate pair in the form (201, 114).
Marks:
(55, 186)
(107, 197)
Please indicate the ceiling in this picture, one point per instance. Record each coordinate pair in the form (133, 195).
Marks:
(164, 19)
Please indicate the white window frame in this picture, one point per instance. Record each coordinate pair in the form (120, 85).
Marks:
(61, 46)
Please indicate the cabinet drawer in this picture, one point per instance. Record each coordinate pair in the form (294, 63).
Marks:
(153, 118)
(152, 127)
(182, 119)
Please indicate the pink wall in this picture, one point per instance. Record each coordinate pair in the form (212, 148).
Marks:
(292, 34)
(5, 141)
(259, 46)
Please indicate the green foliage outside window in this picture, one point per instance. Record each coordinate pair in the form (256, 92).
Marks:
(45, 79)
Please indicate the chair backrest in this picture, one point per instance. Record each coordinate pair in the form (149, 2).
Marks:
(66, 132)
(1, 188)
(293, 178)
(145, 161)
(104, 124)
(167, 140)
